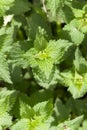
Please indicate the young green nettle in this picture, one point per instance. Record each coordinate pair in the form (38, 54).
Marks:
(78, 80)
(43, 65)
(42, 55)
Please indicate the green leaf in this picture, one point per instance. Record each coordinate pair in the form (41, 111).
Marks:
(80, 62)
(40, 41)
(53, 7)
(59, 10)
(43, 81)
(21, 104)
(54, 53)
(16, 56)
(57, 50)
(43, 109)
(80, 24)
(75, 82)
(72, 124)
(40, 96)
(78, 13)
(22, 124)
(34, 21)
(66, 13)
(7, 100)
(77, 107)
(5, 121)
(13, 7)
(46, 66)
(5, 6)
(37, 114)
(19, 7)
(4, 70)
(6, 36)
(29, 57)
(3, 106)
(76, 35)
(61, 112)
(16, 74)
(26, 111)
(44, 60)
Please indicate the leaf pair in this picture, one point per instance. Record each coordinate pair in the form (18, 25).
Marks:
(45, 54)
(33, 117)
(7, 100)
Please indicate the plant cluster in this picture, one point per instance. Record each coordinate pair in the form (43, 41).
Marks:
(43, 64)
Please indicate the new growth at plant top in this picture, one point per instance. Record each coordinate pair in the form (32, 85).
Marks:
(43, 65)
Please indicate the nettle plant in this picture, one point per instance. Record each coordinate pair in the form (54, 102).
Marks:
(43, 64)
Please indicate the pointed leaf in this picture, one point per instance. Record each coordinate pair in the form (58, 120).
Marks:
(5, 121)
(76, 36)
(4, 70)
(26, 111)
(43, 81)
(53, 7)
(71, 125)
(57, 50)
(46, 66)
(40, 41)
(29, 57)
(7, 100)
(76, 83)
(44, 109)
(73, 30)
(80, 62)
(61, 112)
(34, 21)
(22, 124)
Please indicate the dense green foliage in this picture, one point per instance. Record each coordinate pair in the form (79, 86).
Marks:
(43, 64)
